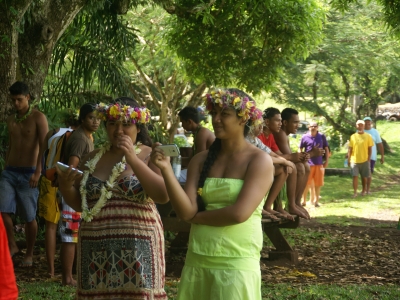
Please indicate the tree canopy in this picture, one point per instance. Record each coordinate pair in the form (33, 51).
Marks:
(243, 42)
(221, 42)
(351, 71)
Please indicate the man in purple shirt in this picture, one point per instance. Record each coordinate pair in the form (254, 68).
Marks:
(317, 166)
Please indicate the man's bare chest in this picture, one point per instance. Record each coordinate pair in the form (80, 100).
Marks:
(24, 132)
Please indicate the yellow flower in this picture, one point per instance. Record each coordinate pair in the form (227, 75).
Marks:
(236, 100)
(134, 115)
(125, 109)
(114, 111)
(143, 117)
(200, 191)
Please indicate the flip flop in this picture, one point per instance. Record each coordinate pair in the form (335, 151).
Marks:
(25, 264)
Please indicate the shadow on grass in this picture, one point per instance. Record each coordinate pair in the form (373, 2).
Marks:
(340, 221)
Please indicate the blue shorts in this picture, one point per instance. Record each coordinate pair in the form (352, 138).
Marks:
(15, 192)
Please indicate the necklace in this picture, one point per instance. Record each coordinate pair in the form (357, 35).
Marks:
(23, 118)
(105, 193)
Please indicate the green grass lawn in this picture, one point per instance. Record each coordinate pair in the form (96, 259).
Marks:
(338, 207)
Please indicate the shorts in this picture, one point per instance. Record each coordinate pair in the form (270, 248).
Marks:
(372, 164)
(363, 169)
(15, 192)
(69, 223)
(317, 174)
(48, 203)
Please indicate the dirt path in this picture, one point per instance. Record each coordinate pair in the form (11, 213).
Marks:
(336, 254)
(342, 255)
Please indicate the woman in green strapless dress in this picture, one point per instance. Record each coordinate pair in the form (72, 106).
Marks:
(223, 199)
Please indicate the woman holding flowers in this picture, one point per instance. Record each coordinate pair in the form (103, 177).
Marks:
(121, 239)
(223, 199)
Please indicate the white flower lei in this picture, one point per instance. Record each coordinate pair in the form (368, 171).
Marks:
(88, 214)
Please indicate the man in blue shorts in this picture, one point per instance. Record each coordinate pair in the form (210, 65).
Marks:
(359, 154)
(27, 129)
(377, 144)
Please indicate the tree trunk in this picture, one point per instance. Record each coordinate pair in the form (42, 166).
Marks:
(30, 33)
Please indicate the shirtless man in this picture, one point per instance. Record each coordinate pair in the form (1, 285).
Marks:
(297, 180)
(202, 137)
(19, 180)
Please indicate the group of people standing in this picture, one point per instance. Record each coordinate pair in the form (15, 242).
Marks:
(120, 243)
(362, 154)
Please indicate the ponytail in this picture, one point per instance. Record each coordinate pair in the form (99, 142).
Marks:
(211, 157)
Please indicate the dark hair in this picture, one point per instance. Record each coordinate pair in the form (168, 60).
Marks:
(270, 112)
(143, 134)
(211, 157)
(190, 113)
(240, 93)
(85, 109)
(287, 113)
(19, 88)
(68, 117)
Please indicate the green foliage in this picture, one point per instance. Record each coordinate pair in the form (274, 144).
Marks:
(356, 57)
(390, 9)
(245, 42)
(181, 141)
(158, 133)
(90, 56)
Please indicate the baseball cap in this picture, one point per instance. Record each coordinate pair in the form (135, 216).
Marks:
(360, 122)
(367, 119)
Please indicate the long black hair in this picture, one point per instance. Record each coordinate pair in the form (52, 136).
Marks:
(143, 134)
(211, 157)
(214, 150)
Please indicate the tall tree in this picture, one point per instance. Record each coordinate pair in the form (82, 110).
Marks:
(29, 30)
(129, 57)
(222, 41)
(356, 58)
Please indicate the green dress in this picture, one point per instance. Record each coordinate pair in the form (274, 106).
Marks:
(223, 262)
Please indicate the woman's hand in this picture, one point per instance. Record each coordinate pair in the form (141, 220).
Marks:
(66, 179)
(125, 143)
(159, 159)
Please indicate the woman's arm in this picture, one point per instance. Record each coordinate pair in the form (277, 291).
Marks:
(257, 182)
(148, 175)
(276, 159)
(183, 201)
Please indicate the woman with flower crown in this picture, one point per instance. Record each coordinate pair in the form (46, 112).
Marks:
(223, 199)
(121, 239)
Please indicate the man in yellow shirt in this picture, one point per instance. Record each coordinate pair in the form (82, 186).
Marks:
(360, 150)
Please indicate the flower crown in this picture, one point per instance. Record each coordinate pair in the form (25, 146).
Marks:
(245, 107)
(124, 113)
